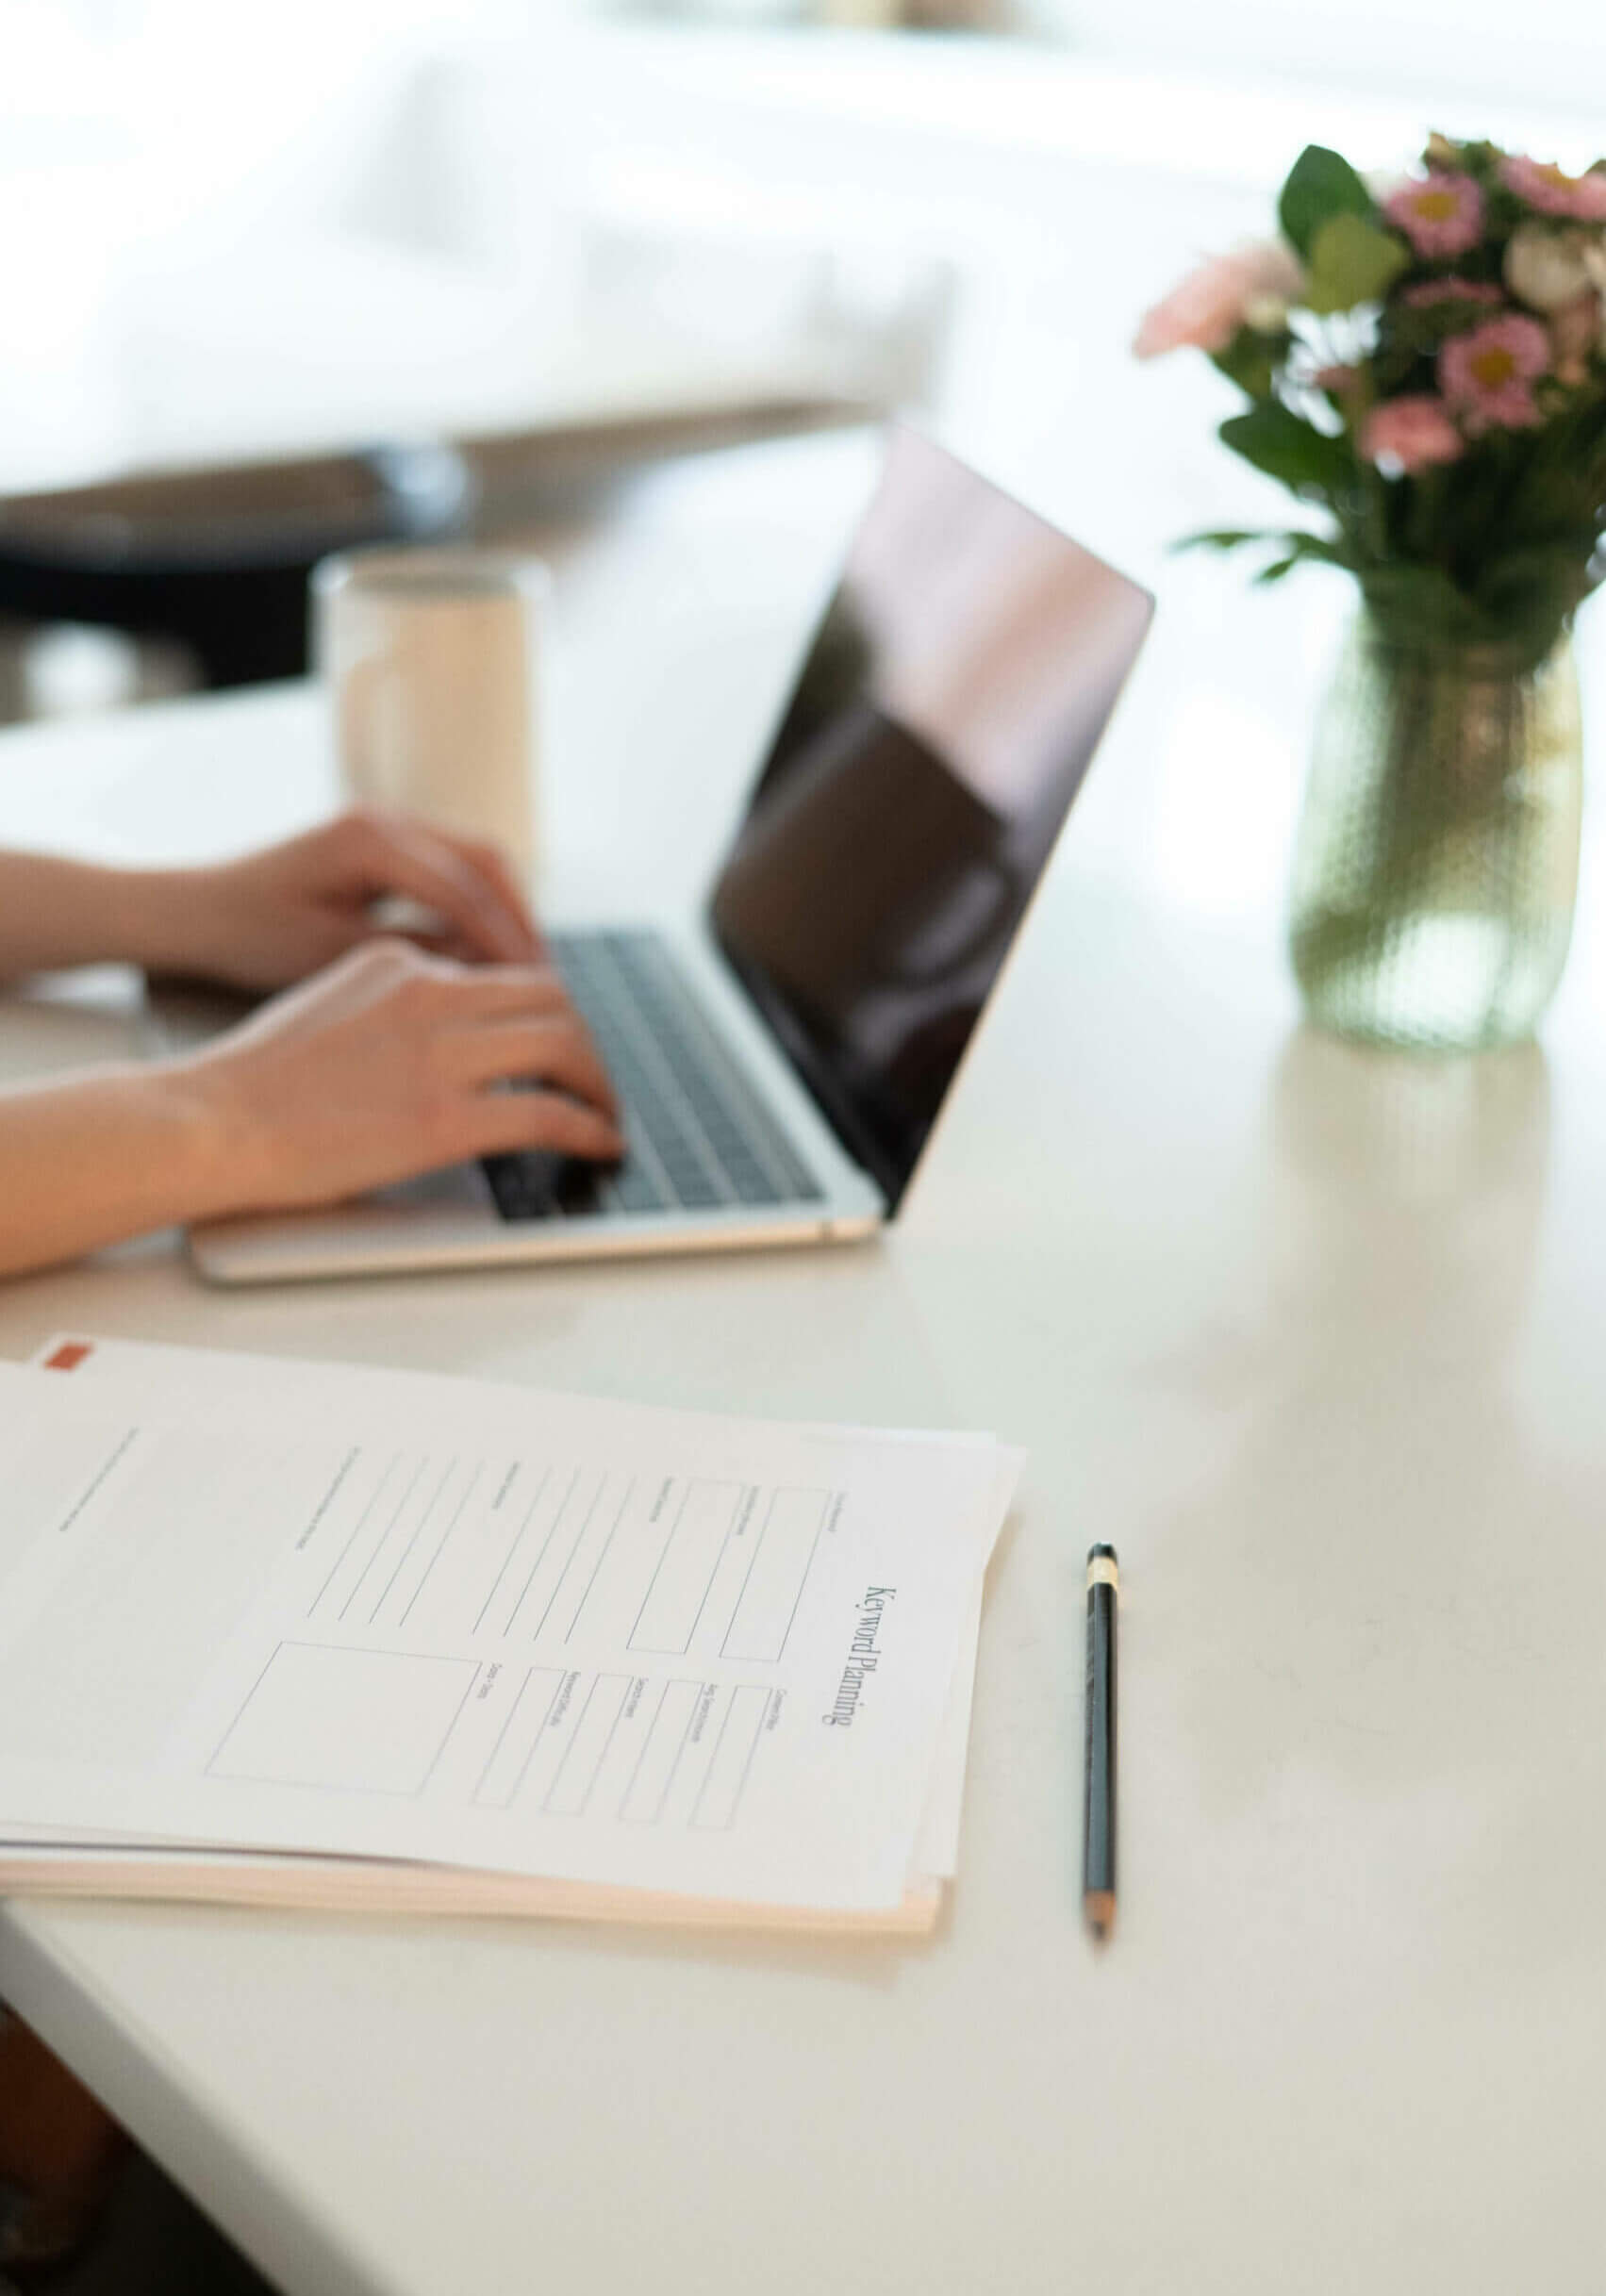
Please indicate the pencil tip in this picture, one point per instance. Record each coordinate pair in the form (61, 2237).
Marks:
(1098, 1909)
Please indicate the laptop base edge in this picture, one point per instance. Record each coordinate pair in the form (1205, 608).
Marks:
(307, 1248)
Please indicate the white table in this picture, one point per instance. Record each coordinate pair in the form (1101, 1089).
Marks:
(1313, 1335)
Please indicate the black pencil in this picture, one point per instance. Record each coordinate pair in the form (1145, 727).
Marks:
(1099, 1729)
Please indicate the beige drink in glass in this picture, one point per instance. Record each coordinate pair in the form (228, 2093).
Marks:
(429, 657)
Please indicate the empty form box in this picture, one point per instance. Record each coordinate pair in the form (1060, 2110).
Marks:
(776, 1575)
(510, 1757)
(650, 1782)
(681, 1583)
(587, 1748)
(354, 1720)
(717, 1805)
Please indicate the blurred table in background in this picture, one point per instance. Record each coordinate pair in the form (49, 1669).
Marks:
(199, 578)
(1312, 1334)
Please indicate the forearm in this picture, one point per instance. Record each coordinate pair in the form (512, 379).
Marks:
(56, 914)
(388, 1064)
(90, 1160)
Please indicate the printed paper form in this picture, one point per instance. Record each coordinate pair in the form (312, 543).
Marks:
(507, 1631)
(300, 1384)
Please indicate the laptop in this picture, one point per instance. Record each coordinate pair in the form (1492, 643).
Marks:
(783, 1060)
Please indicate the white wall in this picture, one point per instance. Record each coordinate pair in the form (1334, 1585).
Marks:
(1448, 55)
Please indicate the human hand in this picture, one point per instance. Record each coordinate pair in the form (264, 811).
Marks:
(276, 916)
(389, 1065)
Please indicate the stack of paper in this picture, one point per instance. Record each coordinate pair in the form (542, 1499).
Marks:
(309, 1634)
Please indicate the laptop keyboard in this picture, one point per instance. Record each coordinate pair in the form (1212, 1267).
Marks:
(696, 1135)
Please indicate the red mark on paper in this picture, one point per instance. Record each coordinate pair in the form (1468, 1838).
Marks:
(68, 1356)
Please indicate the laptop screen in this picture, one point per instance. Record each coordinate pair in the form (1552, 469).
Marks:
(941, 724)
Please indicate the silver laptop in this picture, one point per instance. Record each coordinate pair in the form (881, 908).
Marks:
(782, 1062)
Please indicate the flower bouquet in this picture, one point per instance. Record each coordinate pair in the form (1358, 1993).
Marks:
(1424, 365)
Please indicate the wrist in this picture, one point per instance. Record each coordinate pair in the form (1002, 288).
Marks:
(116, 1152)
(157, 918)
(227, 1148)
(192, 1144)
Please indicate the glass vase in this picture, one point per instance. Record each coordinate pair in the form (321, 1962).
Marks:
(1436, 862)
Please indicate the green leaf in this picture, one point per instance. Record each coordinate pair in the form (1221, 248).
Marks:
(1558, 568)
(1295, 542)
(1317, 547)
(1278, 442)
(1352, 262)
(1321, 185)
(1422, 606)
(1251, 360)
(1300, 548)
(1225, 538)
(1428, 324)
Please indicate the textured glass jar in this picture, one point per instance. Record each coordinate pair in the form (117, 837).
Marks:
(1436, 862)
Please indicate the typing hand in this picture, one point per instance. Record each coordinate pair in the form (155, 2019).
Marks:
(389, 1064)
(276, 916)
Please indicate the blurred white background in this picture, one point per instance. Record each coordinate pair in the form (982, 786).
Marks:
(245, 230)
(233, 233)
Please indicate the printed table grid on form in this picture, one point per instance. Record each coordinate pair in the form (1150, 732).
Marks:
(645, 1751)
(449, 1547)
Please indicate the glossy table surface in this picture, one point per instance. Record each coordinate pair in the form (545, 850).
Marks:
(1314, 1335)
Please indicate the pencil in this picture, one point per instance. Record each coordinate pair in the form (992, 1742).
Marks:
(1099, 1734)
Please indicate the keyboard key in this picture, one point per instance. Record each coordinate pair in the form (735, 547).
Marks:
(637, 1190)
(701, 1137)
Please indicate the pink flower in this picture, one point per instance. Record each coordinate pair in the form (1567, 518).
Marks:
(1209, 306)
(1429, 291)
(1440, 213)
(1404, 436)
(1552, 192)
(1486, 374)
